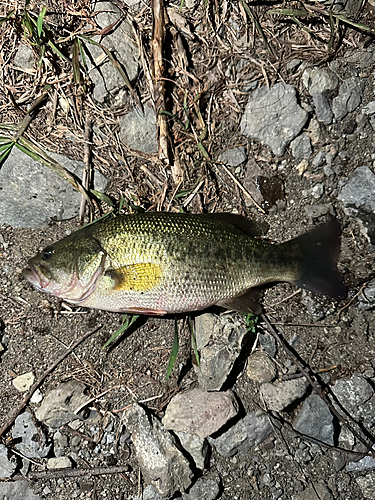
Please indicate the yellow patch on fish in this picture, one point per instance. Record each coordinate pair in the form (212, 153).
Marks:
(136, 277)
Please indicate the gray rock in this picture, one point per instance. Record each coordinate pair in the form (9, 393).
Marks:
(358, 197)
(369, 109)
(362, 58)
(30, 441)
(24, 57)
(317, 491)
(19, 490)
(293, 64)
(317, 191)
(23, 382)
(367, 485)
(233, 156)
(274, 117)
(196, 446)
(219, 340)
(319, 80)
(268, 343)
(204, 326)
(319, 159)
(279, 395)
(7, 467)
(60, 443)
(136, 4)
(163, 465)
(32, 194)
(105, 77)
(149, 494)
(367, 298)
(198, 412)
(59, 405)
(205, 488)
(314, 212)
(59, 463)
(138, 131)
(357, 396)
(315, 420)
(349, 97)
(260, 367)
(323, 109)
(301, 147)
(363, 464)
(245, 435)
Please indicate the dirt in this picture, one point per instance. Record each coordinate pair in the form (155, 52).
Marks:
(36, 329)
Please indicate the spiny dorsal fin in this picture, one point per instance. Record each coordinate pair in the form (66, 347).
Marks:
(240, 223)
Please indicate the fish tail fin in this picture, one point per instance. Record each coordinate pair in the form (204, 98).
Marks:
(319, 251)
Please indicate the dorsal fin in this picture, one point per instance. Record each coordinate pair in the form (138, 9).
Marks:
(240, 223)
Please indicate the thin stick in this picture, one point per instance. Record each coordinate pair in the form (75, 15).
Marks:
(244, 190)
(14, 414)
(30, 115)
(158, 36)
(316, 386)
(86, 177)
(87, 471)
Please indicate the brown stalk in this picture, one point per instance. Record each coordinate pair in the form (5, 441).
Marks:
(87, 471)
(158, 37)
(86, 177)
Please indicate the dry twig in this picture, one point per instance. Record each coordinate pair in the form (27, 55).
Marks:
(165, 143)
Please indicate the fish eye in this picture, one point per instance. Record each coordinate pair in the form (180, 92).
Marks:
(48, 252)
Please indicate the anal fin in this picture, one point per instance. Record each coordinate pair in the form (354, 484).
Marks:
(246, 303)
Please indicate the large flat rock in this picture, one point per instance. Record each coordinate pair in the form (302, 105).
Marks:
(31, 195)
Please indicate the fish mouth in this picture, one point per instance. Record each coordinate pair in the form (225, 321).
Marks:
(36, 278)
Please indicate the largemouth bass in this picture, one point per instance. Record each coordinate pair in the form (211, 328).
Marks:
(157, 263)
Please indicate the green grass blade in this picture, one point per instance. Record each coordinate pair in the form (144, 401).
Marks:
(103, 197)
(126, 324)
(345, 20)
(5, 150)
(173, 357)
(194, 342)
(8, 16)
(253, 18)
(58, 52)
(203, 150)
(39, 23)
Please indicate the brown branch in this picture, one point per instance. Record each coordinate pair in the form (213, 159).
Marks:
(29, 116)
(86, 177)
(14, 414)
(58, 473)
(158, 37)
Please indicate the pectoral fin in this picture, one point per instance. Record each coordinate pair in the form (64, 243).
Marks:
(136, 277)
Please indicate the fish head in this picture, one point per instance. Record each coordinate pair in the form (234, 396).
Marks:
(69, 269)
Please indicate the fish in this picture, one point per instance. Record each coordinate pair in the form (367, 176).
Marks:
(158, 263)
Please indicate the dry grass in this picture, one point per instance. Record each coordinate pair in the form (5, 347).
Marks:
(212, 54)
